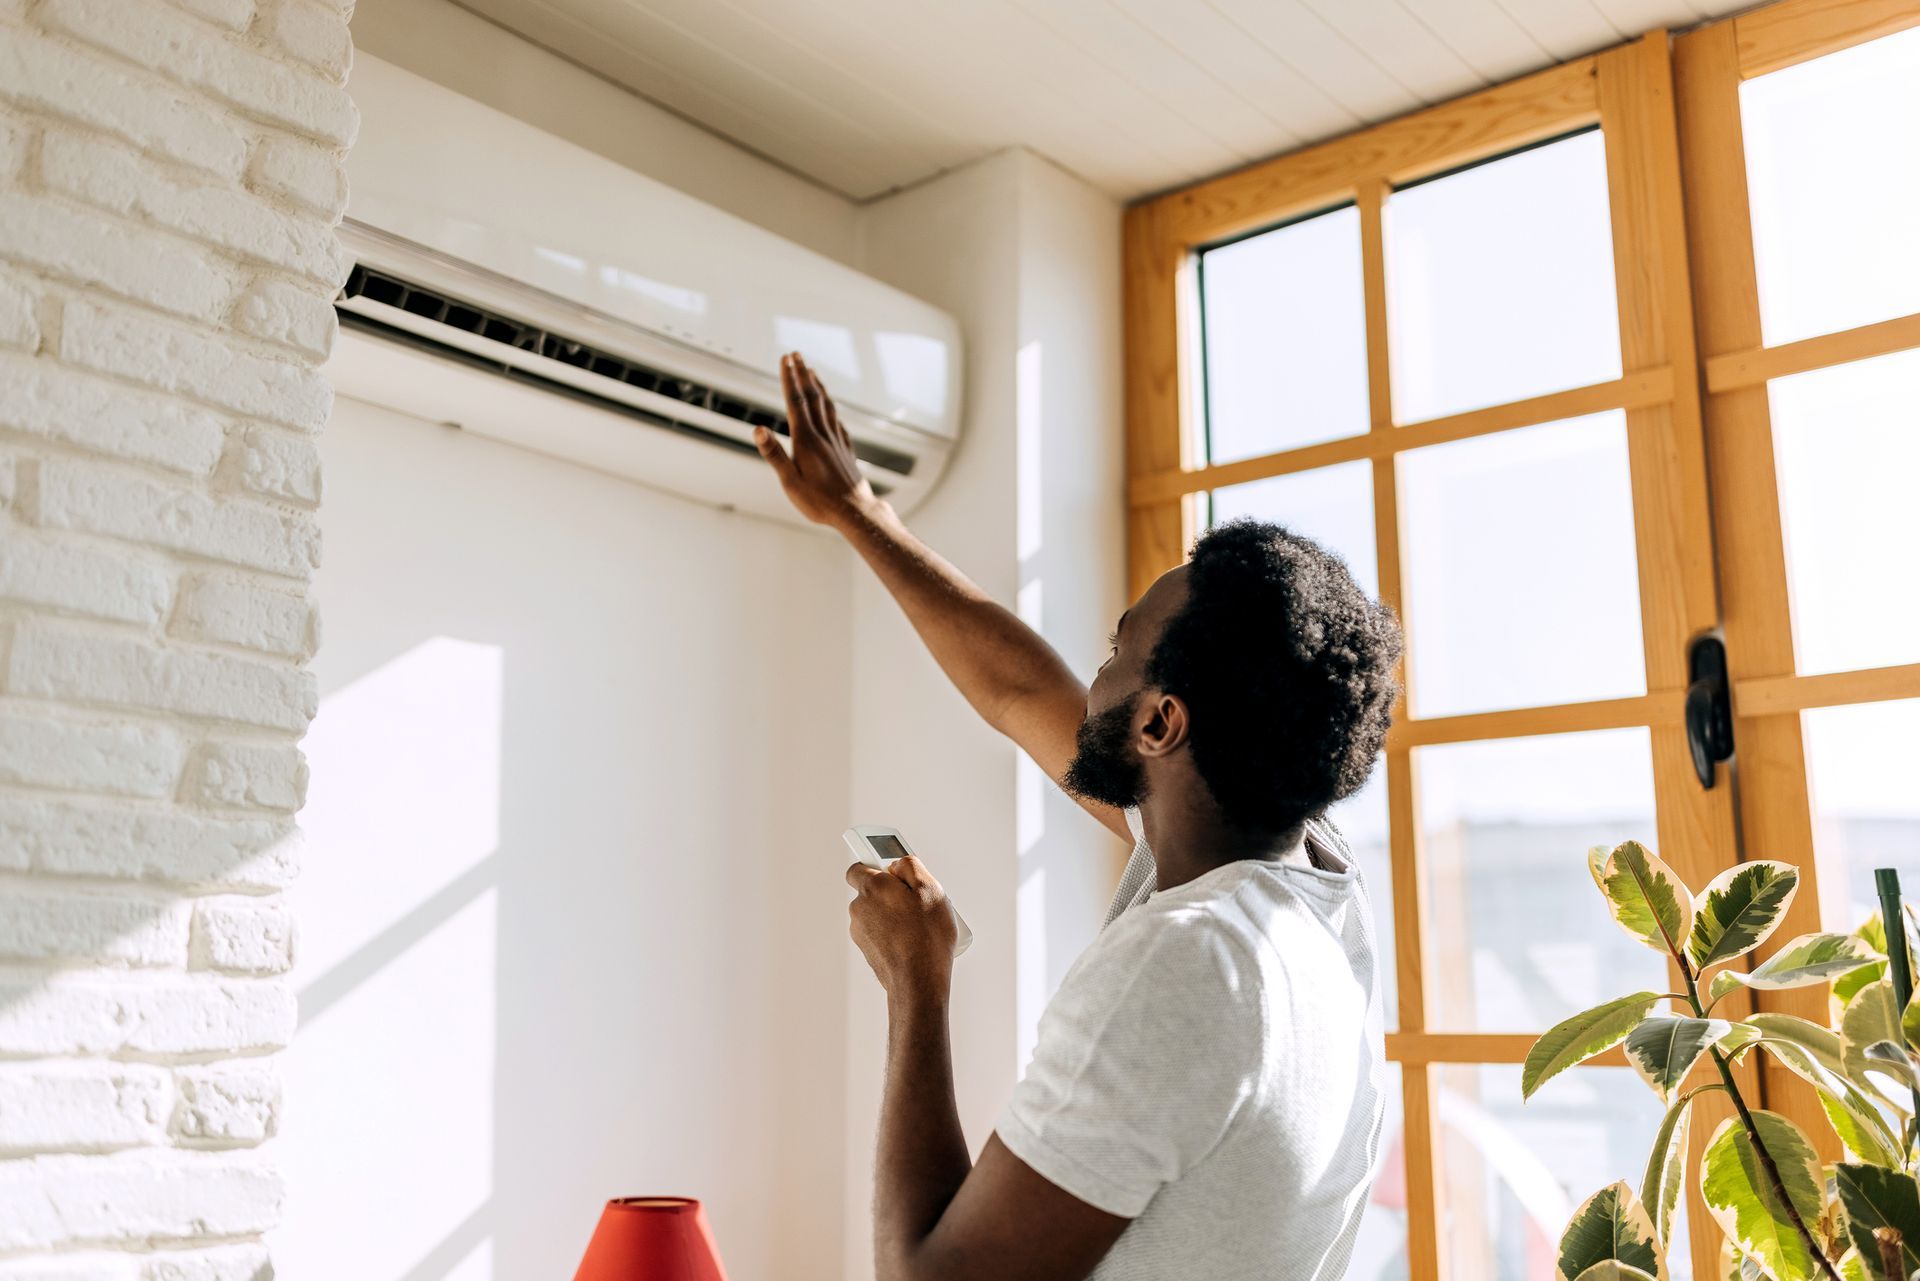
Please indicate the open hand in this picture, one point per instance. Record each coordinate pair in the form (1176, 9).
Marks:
(820, 477)
(902, 924)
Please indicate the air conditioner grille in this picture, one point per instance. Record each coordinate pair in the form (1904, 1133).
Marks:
(432, 304)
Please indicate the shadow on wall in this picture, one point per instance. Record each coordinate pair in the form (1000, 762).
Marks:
(563, 934)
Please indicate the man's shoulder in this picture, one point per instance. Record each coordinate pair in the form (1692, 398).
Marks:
(1180, 938)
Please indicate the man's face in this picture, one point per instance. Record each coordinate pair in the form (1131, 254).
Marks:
(1106, 766)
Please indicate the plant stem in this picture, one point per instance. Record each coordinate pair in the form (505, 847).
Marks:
(1753, 1135)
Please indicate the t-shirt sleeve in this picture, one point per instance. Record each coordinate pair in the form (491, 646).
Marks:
(1143, 1060)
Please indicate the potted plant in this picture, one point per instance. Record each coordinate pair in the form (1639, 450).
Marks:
(1785, 1215)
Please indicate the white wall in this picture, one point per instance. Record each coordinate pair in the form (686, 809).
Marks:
(1028, 258)
(572, 922)
(510, 1101)
(169, 183)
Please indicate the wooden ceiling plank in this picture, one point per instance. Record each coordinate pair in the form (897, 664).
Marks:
(1484, 35)
(1565, 28)
(1151, 67)
(1322, 54)
(1401, 46)
(776, 135)
(1268, 80)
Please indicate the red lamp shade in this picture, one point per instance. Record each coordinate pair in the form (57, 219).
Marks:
(652, 1238)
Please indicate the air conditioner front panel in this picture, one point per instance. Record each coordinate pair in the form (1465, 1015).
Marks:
(439, 171)
(525, 414)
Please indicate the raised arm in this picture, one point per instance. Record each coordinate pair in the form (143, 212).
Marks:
(1012, 677)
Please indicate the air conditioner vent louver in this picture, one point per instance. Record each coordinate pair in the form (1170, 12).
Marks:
(436, 306)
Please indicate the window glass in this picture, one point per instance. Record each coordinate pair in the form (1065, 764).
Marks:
(1362, 820)
(1286, 339)
(1833, 180)
(1331, 505)
(1518, 938)
(1512, 1174)
(1500, 281)
(1866, 804)
(1380, 1250)
(1522, 586)
(1847, 450)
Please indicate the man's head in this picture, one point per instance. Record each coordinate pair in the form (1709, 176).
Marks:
(1257, 670)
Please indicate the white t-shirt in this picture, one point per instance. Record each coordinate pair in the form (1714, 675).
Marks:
(1212, 1069)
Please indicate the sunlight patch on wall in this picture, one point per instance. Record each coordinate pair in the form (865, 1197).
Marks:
(405, 796)
(400, 1070)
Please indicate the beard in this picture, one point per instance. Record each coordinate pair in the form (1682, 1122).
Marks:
(1105, 769)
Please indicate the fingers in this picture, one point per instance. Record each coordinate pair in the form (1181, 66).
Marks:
(829, 415)
(771, 449)
(915, 874)
(807, 405)
(861, 877)
(796, 402)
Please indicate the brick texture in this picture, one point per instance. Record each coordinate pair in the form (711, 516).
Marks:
(172, 173)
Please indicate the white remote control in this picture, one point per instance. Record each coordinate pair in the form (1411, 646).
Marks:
(879, 846)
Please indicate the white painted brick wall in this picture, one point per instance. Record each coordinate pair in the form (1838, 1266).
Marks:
(171, 176)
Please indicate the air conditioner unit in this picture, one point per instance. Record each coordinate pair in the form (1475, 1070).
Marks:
(527, 290)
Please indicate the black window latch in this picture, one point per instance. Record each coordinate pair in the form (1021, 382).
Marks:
(1709, 707)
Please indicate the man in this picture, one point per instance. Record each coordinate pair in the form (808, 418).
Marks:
(1204, 1100)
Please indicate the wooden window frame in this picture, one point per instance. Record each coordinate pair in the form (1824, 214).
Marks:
(1669, 112)
(1775, 805)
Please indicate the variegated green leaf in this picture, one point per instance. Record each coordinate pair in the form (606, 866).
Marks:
(1875, 1197)
(1811, 958)
(1614, 1270)
(1609, 1225)
(1873, 932)
(1667, 1169)
(1857, 1122)
(1815, 1055)
(1893, 1060)
(1737, 1038)
(1847, 986)
(1646, 898)
(1581, 1037)
(1742, 1199)
(1721, 984)
(1664, 1048)
(1872, 1021)
(1852, 1267)
(1597, 865)
(1739, 909)
(1910, 1022)
(1784, 1031)
(1735, 1266)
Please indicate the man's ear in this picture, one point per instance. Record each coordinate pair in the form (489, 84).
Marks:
(1163, 724)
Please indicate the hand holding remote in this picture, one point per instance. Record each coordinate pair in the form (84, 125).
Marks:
(901, 919)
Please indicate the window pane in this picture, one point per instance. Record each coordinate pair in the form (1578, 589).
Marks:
(1331, 505)
(1286, 339)
(1866, 804)
(1847, 450)
(1513, 1174)
(1833, 179)
(1362, 819)
(1500, 281)
(1380, 1251)
(1521, 582)
(1518, 938)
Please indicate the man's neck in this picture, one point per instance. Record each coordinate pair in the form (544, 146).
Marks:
(1191, 840)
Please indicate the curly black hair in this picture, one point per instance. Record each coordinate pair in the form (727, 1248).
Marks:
(1287, 671)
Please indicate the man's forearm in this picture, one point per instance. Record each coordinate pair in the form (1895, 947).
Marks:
(989, 654)
(922, 1155)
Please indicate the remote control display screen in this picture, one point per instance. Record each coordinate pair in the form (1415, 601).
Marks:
(889, 847)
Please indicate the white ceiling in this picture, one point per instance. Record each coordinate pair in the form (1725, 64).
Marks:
(1136, 96)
